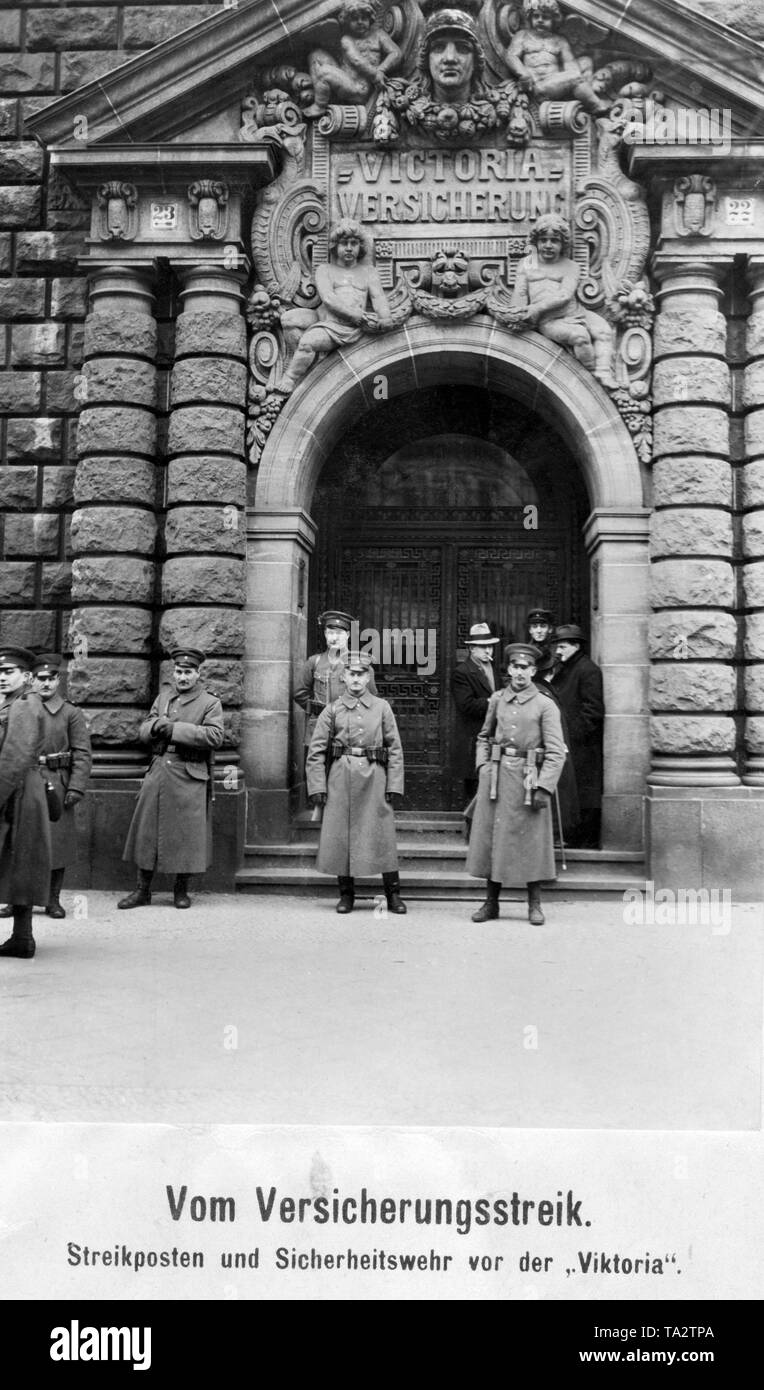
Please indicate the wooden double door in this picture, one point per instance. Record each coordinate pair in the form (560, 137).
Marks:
(417, 584)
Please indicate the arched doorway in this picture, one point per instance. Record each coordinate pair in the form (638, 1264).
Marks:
(531, 374)
(438, 509)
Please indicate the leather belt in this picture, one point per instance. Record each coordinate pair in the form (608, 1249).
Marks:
(189, 755)
(355, 752)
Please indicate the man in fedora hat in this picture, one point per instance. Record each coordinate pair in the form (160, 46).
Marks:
(67, 759)
(24, 819)
(520, 755)
(578, 685)
(320, 678)
(356, 738)
(472, 685)
(171, 829)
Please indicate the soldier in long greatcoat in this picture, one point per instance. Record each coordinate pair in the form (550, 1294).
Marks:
(520, 755)
(24, 818)
(357, 738)
(171, 830)
(68, 759)
(320, 678)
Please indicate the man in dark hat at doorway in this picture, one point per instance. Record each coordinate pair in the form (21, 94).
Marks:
(472, 685)
(357, 738)
(578, 686)
(24, 818)
(520, 755)
(320, 678)
(539, 629)
(67, 759)
(171, 829)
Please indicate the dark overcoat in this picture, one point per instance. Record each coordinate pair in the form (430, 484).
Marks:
(171, 829)
(66, 731)
(578, 686)
(510, 843)
(358, 829)
(471, 692)
(567, 791)
(319, 684)
(24, 819)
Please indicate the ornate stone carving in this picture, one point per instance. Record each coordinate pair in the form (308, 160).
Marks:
(541, 60)
(118, 204)
(694, 202)
(365, 57)
(207, 210)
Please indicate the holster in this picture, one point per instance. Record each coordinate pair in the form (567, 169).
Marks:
(534, 759)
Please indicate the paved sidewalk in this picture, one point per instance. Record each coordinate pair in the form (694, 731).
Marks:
(266, 1009)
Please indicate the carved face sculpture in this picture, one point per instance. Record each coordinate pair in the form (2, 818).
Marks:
(450, 271)
(347, 250)
(208, 216)
(358, 20)
(116, 217)
(451, 60)
(549, 245)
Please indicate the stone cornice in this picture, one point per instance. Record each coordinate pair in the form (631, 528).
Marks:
(196, 72)
(671, 159)
(166, 162)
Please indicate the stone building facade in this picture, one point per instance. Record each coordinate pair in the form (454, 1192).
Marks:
(175, 468)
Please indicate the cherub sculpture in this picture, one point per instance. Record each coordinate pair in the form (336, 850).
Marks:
(368, 55)
(543, 62)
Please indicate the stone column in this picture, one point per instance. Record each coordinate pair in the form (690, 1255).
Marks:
(752, 506)
(693, 691)
(205, 532)
(114, 524)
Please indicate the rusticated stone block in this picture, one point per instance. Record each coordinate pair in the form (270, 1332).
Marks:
(687, 635)
(690, 330)
(752, 484)
(55, 252)
(38, 440)
(754, 336)
(112, 579)
(692, 686)
(753, 682)
(20, 162)
(109, 479)
(22, 298)
(8, 118)
(209, 429)
(207, 479)
(692, 734)
(221, 334)
(679, 379)
(690, 429)
(18, 488)
(754, 432)
(691, 531)
(231, 728)
(209, 379)
(128, 332)
(59, 391)
(226, 680)
(98, 630)
(36, 630)
(85, 27)
(116, 429)
(112, 530)
(203, 579)
(69, 298)
(17, 582)
(79, 68)
(19, 392)
(5, 252)
(112, 379)
(753, 385)
(145, 25)
(56, 583)
(28, 72)
(20, 206)
(753, 641)
(109, 680)
(692, 584)
(114, 726)
(754, 734)
(753, 584)
(57, 486)
(34, 343)
(31, 535)
(214, 630)
(753, 535)
(190, 530)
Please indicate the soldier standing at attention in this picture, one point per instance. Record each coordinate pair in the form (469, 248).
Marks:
(520, 755)
(24, 819)
(171, 829)
(67, 759)
(357, 737)
(320, 680)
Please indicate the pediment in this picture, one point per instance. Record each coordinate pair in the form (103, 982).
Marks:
(191, 86)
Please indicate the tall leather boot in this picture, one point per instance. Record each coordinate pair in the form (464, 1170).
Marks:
(535, 915)
(347, 895)
(489, 910)
(141, 895)
(22, 943)
(180, 891)
(392, 885)
(54, 908)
